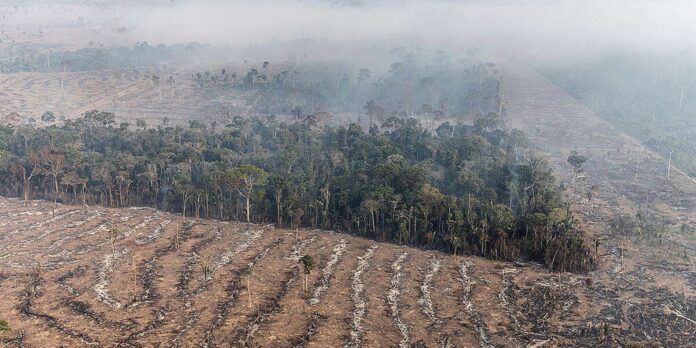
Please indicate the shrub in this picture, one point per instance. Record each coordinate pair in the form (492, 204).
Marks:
(4, 326)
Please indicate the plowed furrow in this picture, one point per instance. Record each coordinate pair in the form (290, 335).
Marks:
(292, 324)
(244, 335)
(413, 311)
(328, 272)
(425, 300)
(469, 306)
(232, 293)
(379, 328)
(336, 303)
(25, 307)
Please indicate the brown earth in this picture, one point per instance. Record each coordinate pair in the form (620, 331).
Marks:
(64, 286)
(131, 94)
(642, 279)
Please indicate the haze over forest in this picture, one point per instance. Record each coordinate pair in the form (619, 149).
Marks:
(542, 29)
(356, 173)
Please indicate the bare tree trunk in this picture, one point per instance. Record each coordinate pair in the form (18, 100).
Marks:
(198, 205)
(135, 279)
(184, 209)
(207, 206)
(248, 212)
(176, 238)
(249, 289)
(55, 195)
(27, 186)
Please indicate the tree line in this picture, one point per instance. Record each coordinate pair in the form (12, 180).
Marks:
(429, 85)
(474, 189)
(647, 96)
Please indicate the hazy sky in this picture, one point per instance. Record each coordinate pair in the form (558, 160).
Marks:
(531, 28)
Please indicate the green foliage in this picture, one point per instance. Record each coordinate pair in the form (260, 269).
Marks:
(577, 161)
(478, 191)
(642, 225)
(4, 326)
(245, 178)
(307, 264)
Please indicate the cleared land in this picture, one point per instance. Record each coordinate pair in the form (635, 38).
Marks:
(641, 280)
(130, 94)
(65, 284)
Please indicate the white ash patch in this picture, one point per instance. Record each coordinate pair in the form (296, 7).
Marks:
(133, 231)
(156, 233)
(425, 300)
(104, 274)
(467, 283)
(393, 296)
(89, 218)
(40, 224)
(8, 222)
(359, 304)
(299, 247)
(226, 258)
(328, 271)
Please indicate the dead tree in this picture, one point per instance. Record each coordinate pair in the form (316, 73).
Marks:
(114, 234)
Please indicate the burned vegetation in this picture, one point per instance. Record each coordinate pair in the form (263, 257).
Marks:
(163, 297)
(176, 196)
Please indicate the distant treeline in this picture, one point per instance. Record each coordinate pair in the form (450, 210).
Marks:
(30, 58)
(650, 97)
(464, 189)
(429, 85)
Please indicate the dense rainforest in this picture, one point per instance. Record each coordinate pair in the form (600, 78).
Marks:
(475, 189)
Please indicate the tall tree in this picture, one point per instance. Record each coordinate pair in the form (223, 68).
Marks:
(52, 162)
(245, 179)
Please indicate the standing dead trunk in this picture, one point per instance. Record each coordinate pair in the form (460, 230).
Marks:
(55, 193)
(249, 289)
(198, 205)
(26, 185)
(135, 278)
(279, 220)
(176, 238)
(248, 212)
(184, 208)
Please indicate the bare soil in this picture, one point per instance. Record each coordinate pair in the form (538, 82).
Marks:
(63, 285)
